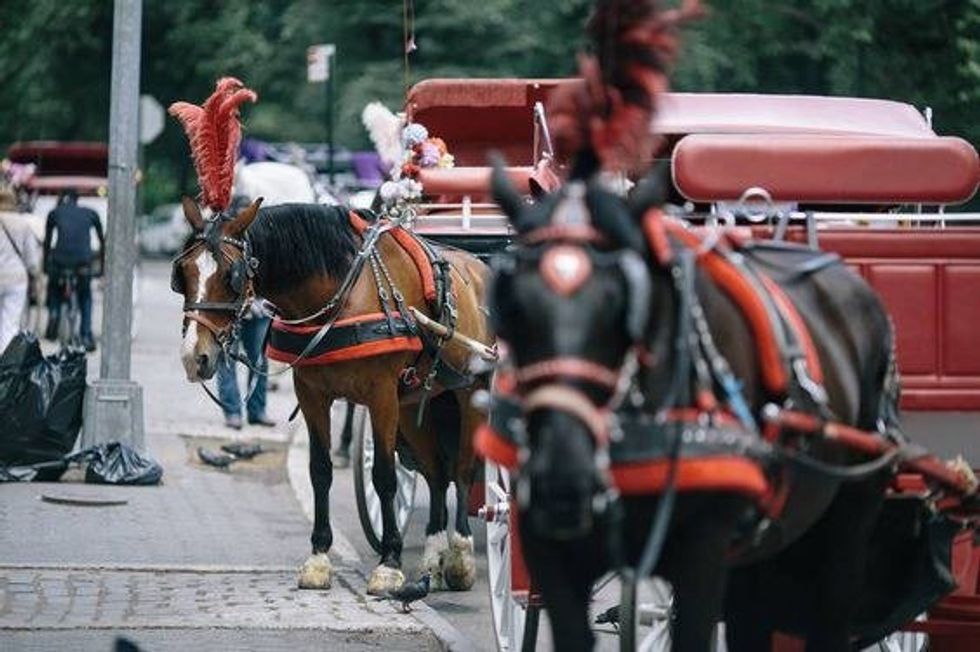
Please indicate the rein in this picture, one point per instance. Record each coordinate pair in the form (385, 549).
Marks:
(333, 307)
(247, 268)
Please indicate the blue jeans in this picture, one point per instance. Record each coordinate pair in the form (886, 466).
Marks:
(251, 340)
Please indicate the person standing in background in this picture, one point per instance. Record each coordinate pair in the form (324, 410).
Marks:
(251, 341)
(20, 258)
(72, 250)
(254, 327)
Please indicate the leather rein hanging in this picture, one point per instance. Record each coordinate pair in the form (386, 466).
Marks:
(226, 336)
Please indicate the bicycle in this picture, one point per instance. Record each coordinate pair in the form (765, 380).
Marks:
(68, 331)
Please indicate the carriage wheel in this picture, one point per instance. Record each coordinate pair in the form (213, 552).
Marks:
(512, 619)
(368, 503)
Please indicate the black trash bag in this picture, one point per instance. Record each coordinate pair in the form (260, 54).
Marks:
(41, 402)
(117, 463)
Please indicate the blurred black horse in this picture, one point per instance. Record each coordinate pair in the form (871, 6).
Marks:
(584, 295)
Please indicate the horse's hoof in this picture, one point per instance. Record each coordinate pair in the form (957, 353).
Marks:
(383, 580)
(315, 572)
(435, 547)
(458, 564)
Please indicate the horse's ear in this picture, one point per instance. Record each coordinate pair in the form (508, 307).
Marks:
(192, 213)
(651, 190)
(240, 223)
(504, 192)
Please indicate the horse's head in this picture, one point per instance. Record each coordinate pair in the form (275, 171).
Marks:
(570, 303)
(214, 273)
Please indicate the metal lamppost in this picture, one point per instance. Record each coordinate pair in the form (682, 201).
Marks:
(114, 403)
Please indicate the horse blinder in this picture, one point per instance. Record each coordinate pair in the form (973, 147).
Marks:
(237, 276)
(639, 289)
(176, 279)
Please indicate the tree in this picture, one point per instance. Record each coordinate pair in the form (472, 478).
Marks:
(54, 59)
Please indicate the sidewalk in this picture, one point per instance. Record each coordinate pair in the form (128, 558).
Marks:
(205, 561)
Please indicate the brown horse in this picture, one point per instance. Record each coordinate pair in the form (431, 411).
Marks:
(310, 261)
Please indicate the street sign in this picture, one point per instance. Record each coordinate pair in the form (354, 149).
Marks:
(151, 119)
(318, 62)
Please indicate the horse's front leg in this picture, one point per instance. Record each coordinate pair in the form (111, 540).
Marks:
(696, 568)
(384, 408)
(317, 570)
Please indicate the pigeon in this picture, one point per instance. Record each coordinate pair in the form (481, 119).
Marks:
(242, 451)
(123, 644)
(409, 592)
(609, 616)
(219, 460)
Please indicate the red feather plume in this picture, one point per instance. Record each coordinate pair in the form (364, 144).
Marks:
(635, 42)
(214, 134)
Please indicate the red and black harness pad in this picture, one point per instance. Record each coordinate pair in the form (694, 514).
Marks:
(721, 457)
(763, 313)
(349, 339)
(410, 244)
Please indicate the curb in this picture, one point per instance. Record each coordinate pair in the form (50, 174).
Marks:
(297, 458)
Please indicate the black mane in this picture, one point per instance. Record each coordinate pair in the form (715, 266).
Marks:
(294, 242)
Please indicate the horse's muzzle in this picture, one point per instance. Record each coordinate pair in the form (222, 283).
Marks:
(557, 511)
(207, 365)
(199, 356)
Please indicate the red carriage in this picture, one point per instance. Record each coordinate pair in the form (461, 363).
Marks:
(868, 179)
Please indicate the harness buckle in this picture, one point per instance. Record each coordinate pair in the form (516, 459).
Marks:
(409, 376)
(814, 389)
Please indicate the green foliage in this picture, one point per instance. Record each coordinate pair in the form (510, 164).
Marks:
(55, 58)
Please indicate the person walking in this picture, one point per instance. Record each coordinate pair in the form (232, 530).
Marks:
(72, 252)
(252, 340)
(20, 259)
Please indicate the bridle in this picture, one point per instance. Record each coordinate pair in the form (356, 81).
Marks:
(554, 383)
(241, 281)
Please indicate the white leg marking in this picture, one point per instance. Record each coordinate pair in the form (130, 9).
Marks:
(316, 572)
(458, 563)
(435, 547)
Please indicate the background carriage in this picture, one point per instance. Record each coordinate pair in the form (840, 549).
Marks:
(868, 179)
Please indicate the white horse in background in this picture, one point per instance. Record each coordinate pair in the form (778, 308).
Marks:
(278, 183)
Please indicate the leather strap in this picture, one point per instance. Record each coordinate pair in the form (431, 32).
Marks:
(576, 368)
(571, 401)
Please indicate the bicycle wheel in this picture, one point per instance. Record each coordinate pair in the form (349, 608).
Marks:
(69, 322)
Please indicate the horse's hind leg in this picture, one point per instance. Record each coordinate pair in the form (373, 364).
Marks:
(383, 407)
(425, 450)
(316, 571)
(842, 549)
(459, 563)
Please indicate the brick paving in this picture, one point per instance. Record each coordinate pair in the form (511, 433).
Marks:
(213, 640)
(104, 598)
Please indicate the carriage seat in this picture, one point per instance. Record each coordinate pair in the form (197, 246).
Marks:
(474, 182)
(827, 170)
